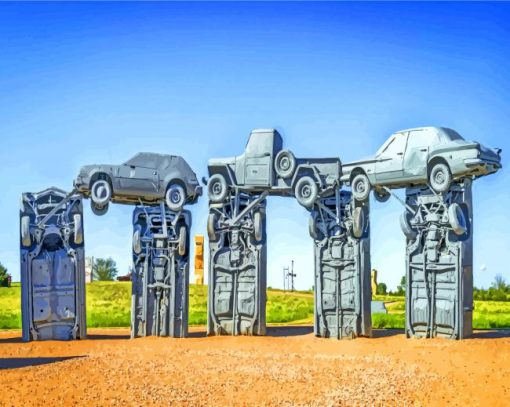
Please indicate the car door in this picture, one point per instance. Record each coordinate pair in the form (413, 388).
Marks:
(139, 177)
(417, 153)
(389, 164)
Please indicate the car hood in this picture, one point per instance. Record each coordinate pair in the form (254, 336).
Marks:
(215, 162)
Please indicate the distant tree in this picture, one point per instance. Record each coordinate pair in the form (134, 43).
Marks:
(104, 269)
(499, 283)
(381, 289)
(401, 288)
(4, 276)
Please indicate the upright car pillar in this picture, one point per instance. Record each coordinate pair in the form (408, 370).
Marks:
(237, 266)
(52, 266)
(160, 280)
(341, 236)
(439, 261)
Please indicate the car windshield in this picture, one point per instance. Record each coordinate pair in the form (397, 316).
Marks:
(452, 134)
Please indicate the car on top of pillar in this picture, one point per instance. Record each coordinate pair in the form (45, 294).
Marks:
(266, 166)
(436, 156)
(146, 178)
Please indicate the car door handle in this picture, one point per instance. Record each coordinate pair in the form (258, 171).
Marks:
(400, 153)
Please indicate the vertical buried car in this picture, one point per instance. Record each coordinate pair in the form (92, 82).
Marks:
(415, 157)
(52, 266)
(147, 178)
(266, 166)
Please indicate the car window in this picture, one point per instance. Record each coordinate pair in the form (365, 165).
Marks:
(259, 143)
(164, 162)
(396, 145)
(143, 160)
(452, 134)
(422, 138)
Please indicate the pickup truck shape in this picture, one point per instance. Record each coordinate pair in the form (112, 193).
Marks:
(415, 157)
(265, 166)
(147, 178)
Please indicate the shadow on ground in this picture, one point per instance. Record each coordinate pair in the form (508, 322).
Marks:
(16, 363)
(494, 334)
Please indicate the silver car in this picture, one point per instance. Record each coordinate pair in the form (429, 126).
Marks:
(433, 155)
(146, 178)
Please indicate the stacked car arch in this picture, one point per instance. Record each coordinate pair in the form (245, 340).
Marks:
(435, 165)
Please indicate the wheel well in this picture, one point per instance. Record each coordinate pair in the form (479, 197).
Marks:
(100, 175)
(300, 172)
(434, 161)
(356, 171)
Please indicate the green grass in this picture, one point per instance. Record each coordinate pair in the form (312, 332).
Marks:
(109, 304)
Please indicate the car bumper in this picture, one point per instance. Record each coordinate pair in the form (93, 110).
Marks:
(481, 165)
(81, 184)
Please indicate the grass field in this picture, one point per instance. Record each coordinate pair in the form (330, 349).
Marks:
(109, 303)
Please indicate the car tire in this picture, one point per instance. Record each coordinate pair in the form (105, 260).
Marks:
(137, 241)
(440, 177)
(359, 222)
(183, 235)
(101, 192)
(98, 210)
(360, 186)
(405, 225)
(381, 195)
(285, 164)
(26, 238)
(78, 229)
(217, 188)
(175, 197)
(211, 227)
(457, 219)
(258, 225)
(306, 191)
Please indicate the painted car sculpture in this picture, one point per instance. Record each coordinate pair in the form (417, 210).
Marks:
(433, 155)
(266, 166)
(147, 178)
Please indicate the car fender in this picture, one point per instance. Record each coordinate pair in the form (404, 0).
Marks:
(109, 171)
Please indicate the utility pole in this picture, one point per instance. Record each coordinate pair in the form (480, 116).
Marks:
(285, 273)
(292, 275)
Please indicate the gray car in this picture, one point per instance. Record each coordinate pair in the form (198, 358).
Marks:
(266, 166)
(146, 178)
(433, 155)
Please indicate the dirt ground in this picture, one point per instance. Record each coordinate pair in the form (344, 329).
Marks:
(288, 367)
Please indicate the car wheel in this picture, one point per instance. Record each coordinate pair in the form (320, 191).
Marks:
(381, 195)
(360, 187)
(358, 222)
(175, 197)
(285, 164)
(98, 210)
(78, 229)
(183, 234)
(306, 191)
(26, 238)
(440, 177)
(137, 241)
(217, 188)
(100, 192)
(211, 227)
(258, 222)
(457, 219)
(405, 225)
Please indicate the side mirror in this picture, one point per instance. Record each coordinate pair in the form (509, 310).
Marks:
(204, 180)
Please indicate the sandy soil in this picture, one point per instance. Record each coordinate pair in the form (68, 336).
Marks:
(288, 367)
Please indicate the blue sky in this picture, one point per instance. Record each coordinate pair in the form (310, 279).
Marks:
(96, 82)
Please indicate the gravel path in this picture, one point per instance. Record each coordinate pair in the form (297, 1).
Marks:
(289, 367)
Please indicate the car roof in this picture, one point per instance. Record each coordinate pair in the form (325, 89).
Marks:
(142, 154)
(438, 129)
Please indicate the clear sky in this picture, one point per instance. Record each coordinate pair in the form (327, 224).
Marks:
(98, 82)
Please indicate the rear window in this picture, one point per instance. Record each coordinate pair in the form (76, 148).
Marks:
(452, 134)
